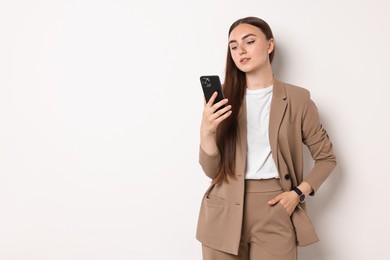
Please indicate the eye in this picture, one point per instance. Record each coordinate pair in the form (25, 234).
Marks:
(233, 48)
(251, 42)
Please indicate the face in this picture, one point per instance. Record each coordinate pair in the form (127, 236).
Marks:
(249, 48)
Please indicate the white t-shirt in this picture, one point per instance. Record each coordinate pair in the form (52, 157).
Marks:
(260, 164)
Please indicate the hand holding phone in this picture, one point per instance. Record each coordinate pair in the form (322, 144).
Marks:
(216, 109)
(210, 85)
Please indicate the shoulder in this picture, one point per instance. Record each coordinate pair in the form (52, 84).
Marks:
(297, 97)
(296, 93)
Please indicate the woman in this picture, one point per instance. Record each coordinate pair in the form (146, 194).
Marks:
(252, 151)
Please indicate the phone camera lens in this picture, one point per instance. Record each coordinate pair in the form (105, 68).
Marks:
(206, 82)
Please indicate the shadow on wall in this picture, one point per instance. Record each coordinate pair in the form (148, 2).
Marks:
(329, 191)
(277, 63)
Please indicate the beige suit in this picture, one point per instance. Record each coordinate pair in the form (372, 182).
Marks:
(294, 120)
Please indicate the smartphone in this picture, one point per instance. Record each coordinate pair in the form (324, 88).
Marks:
(210, 84)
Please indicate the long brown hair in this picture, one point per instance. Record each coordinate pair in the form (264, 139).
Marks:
(234, 89)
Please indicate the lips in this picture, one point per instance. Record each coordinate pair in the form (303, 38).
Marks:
(244, 60)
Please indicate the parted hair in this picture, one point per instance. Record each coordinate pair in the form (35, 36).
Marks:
(234, 90)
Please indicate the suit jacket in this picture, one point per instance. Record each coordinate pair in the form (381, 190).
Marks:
(293, 120)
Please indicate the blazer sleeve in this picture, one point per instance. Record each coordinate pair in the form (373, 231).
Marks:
(314, 136)
(209, 163)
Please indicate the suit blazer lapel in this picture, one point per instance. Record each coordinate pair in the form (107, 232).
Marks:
(278, 109)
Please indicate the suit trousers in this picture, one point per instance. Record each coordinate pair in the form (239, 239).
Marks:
(267, 231)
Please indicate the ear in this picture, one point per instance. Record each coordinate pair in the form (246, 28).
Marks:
(271, 45)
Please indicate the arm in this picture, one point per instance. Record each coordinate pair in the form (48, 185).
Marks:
(209, 155)
(316, 139)
(314, 136)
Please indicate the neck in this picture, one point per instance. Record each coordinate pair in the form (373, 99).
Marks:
(261, 78)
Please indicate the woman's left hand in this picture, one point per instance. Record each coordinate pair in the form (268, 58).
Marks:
(288, 199)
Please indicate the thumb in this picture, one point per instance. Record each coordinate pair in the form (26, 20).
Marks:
(274, 200)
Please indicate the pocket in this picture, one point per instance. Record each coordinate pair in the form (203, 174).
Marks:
(214, 201)
(283, 211)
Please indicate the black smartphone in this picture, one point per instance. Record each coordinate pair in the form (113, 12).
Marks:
(210, 84)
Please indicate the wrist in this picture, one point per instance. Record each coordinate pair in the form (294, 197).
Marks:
(208, 138)
(300, 195)
(305, 188)
(206, 135)
(209, 145)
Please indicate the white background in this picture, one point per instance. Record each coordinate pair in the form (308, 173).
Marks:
(100, 108)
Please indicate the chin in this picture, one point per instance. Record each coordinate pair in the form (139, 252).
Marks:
(251, 68)
(242, 68)
(245, 70)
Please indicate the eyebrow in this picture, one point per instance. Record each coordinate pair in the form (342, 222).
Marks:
(243, 37)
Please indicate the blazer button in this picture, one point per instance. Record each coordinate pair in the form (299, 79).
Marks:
(287, 176)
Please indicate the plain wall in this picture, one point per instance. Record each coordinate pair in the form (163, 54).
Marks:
(100, 109)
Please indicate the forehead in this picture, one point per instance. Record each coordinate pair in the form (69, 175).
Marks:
(243, 29)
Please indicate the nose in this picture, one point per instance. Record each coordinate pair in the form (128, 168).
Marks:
(241, 49)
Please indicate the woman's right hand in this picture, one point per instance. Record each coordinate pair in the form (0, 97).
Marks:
(212, 118)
